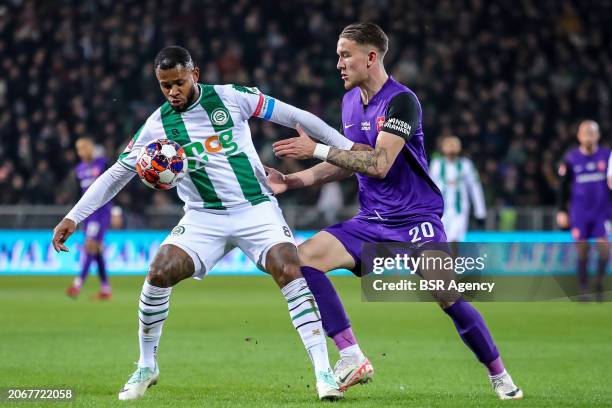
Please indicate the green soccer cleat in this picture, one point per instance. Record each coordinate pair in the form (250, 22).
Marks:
(138, 383)
(327, 388)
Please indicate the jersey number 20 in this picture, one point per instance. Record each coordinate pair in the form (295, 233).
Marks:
(425, 229)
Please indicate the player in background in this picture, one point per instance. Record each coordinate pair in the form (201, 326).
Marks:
(585, 177)
(398, 200)
(458, 180)
(228, 203)
(96, 224)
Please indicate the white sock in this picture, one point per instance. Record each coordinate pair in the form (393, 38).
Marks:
(498, 376)
(152, 311)
(305, 317)
(352, 353)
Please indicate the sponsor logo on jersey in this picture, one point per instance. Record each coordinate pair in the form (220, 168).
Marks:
(398, 125)
(366, 126)
(590, 177)
(223, 142)
(380, 122)
(219, 116)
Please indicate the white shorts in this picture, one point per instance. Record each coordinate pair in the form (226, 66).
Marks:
(208, 236)
(455, 226)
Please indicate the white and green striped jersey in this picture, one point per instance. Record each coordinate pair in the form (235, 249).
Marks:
(224, 168)
(459, 182)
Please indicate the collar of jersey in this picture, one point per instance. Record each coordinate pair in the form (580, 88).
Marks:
(380, 91)
(197, 102)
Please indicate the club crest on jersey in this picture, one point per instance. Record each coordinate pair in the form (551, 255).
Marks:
(219, 117)
(380, 122)
(601, 165)
(178, 230)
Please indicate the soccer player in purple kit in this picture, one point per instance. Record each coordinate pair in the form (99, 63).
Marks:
(96, 224)
(398, 199)
(584, 186)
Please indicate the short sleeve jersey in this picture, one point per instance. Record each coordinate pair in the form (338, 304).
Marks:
(590, 194)
(407, 192)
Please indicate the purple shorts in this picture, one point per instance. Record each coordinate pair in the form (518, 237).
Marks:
(96, 227)
(355, 232)
(590, 227)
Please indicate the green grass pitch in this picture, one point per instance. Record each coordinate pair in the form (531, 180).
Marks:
(229, 342)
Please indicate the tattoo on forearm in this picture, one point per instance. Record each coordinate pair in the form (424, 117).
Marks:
(367, 162)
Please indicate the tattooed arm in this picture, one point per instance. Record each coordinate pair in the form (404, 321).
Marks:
(375, 163)
(403, 118)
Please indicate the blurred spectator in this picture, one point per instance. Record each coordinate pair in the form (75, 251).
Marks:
(330, 202)
(511, 79)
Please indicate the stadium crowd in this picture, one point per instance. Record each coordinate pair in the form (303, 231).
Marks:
(510, 78)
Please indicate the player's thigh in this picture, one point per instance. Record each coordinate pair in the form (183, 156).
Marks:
(325, 252)
(92, 246)
(258, 229)
(203, 237)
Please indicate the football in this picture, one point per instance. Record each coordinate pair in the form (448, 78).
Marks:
(162, 164)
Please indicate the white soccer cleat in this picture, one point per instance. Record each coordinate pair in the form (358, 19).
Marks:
(505, 388)
(327, 388)
(349, 373)
(139, 382)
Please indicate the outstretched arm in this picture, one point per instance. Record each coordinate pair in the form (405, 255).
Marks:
(253, 103)
(99, 193)
(403, 118)
(374, 163)
(319, 174)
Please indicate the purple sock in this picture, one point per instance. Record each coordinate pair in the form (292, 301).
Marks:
(102, 269)
(345, 339)
(85, 267)
(474, 333)
(333, 315)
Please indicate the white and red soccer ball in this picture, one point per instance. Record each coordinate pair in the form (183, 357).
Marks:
(162, 164)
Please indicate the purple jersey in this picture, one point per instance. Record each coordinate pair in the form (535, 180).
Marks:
(87, 172)
(407, 192)
(588, 175)
(590, 205)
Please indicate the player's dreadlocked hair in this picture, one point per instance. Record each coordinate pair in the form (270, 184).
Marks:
(173, 56)
(367, 33)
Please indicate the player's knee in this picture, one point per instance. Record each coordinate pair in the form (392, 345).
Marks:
(309, 255)
(283, 264)
(159, 275)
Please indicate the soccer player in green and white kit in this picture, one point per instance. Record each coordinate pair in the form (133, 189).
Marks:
(227, 203)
